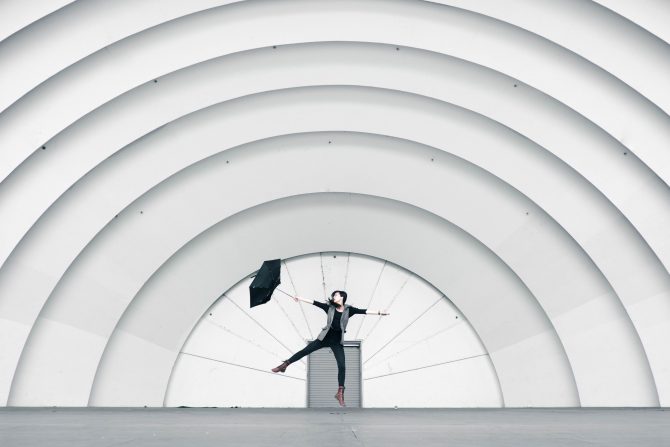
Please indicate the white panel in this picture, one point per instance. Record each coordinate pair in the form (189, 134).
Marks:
(224, 362)
(227, 346)
(359, 285)
(475, 141)
(431, 238)
(292, 285)
(456, 344)
(645, 204)
(203, 383)
(461, 384)
(535, 358)
(634, 275)
(334, 272)
(151, 384)
(391, 285)
(244, 337)
(433, 336)
(78, 292)
(146, 56)
(89, 269)
(12, 338)
(307, 267)
(61, 380)
(266, 317)
(18, 14)
(652, 15)
(72, 33)
(596, 34)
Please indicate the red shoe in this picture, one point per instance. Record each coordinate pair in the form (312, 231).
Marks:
(340, 396)
(282, 367)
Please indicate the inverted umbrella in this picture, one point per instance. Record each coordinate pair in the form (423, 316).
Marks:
(266, 281)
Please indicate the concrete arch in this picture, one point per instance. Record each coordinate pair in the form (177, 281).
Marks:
(651, 15)
(567, 135)
(589, 112)
(644, 127)
(52, 42)
(71, 289)
(429, 340)
(320, 205)
(16, 16)
(329, 108)
(596, 34)
(30, 380)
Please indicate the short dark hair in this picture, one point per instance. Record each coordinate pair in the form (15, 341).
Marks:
(342, 293)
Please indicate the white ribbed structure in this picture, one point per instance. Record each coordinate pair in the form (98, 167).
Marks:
(514, 155)
(427, 353)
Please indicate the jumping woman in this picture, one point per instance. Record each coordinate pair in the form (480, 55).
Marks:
(331, 335)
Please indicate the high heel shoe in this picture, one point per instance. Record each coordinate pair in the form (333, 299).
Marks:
(282, 367)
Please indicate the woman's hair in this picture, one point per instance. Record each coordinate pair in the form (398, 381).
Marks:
(342, 293)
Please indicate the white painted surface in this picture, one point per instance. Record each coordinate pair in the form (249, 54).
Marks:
(584, 151)
(227, 358)
(311, 216)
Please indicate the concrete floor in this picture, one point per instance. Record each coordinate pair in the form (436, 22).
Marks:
(326, 427)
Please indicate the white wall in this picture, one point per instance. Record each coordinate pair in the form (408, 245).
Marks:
(423, 354)
(518, 165)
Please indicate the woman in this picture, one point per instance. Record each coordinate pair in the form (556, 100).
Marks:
(331, 335)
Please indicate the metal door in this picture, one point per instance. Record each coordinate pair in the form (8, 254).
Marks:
(322, 377)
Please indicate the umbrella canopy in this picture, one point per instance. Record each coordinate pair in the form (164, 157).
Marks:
(265, 282)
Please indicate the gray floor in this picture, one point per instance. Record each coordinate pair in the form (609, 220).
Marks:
(324, 427)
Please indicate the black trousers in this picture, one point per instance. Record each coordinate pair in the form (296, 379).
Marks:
(337, 348)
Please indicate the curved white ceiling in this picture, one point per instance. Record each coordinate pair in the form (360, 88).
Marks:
(142, 136)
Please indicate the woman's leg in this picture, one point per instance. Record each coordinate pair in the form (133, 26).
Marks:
(338, 350)
(311, 347)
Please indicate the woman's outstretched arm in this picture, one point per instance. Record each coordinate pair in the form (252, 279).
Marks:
(355, 310)
(319, 304)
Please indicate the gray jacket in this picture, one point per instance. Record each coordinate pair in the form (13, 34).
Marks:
(344, 319)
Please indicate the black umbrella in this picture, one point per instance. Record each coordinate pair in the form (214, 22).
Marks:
(265, 282)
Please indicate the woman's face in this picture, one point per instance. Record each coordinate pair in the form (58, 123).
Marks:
(337, 299)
